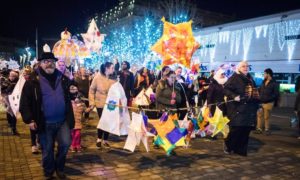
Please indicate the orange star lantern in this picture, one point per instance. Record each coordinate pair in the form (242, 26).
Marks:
(177, 43)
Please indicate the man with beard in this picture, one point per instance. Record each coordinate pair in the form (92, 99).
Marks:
(269, 93)
(126, 79)
(46, 106)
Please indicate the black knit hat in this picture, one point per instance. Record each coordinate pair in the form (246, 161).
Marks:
(47, 55)
(269, 71)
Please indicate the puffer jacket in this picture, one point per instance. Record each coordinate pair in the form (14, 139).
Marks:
(99, 89)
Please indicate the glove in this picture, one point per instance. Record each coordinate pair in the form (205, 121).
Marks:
(237, 98)
(32, 125)
(173, 101)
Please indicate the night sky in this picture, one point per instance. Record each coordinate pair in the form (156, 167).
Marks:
(19, 18)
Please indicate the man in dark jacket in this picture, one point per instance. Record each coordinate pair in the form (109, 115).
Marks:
(45, 105)
(269, 92)
(127, 80)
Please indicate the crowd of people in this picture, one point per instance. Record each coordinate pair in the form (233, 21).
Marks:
(55, 102)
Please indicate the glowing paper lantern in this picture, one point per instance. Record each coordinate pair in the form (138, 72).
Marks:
(177, 43)
(219, 123)
(93, 39)
(83, 51)
(66, 49)
(168, 134)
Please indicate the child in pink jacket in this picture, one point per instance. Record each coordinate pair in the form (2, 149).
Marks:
(78, 109)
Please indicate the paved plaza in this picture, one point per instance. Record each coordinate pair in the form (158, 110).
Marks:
(270, 157)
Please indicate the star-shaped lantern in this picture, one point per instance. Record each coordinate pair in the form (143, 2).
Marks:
(219, 123)
(93, 39)
(177, 43)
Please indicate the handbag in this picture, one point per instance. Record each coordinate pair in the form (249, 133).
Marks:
(294, 121)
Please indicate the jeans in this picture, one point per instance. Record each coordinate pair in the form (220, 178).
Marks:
(61, 133)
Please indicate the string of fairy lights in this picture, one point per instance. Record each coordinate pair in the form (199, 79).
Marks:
(281, 34)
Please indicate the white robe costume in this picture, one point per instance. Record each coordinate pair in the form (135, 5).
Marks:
(115, 119)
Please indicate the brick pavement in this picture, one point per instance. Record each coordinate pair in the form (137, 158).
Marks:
(270, 157)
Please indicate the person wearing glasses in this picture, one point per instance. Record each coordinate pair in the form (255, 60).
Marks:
(46, 106)
(241, 91)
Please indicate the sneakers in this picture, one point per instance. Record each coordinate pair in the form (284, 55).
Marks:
(60, 175)
(98, 143)
(15, 132)
(267, 132)
(48, 176)
(73, 150)
(79, 150)
(155, 146)
(38, 145)
(226, 149)
(173, 153)
(34, 150)
(101, 144)
(258, 131)
(106, 145)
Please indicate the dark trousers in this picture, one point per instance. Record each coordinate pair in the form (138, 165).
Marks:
(298, 113)
(34, 137)
(101, 134)
(61, 133)
(12, 121)
(182, 113)
(86, 115)
(237, 140)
